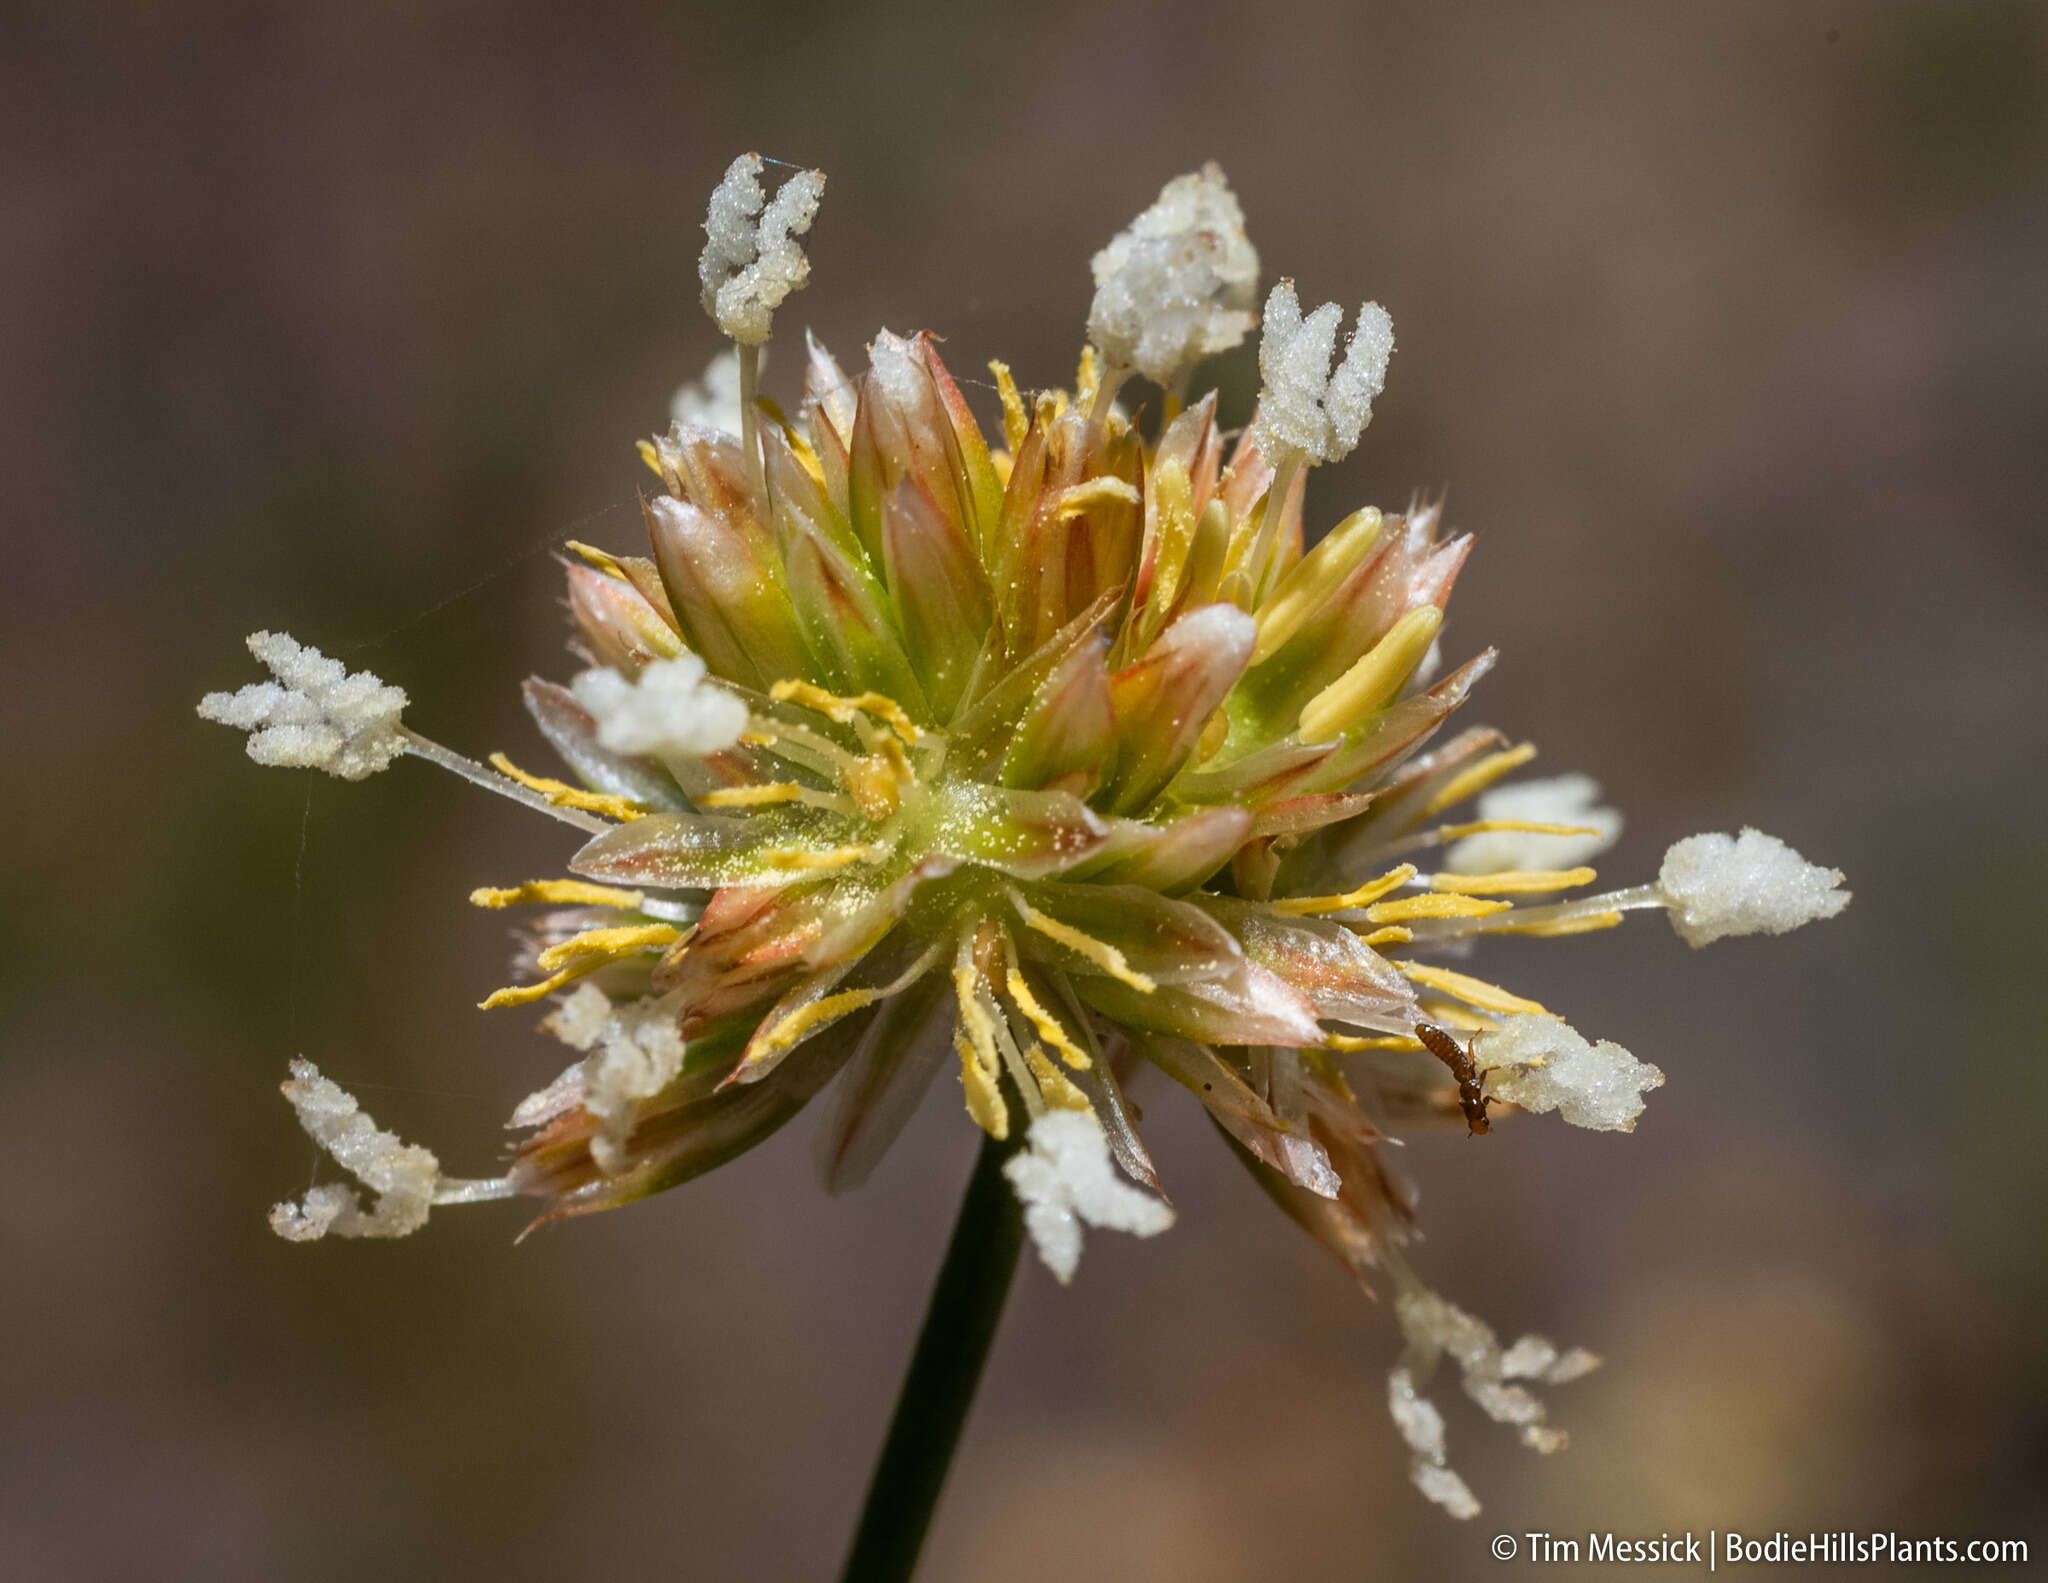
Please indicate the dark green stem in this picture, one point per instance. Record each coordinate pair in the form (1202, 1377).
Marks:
(959, 1325)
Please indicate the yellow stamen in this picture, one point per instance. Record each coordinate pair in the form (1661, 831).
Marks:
(1585, 923)
(1016, 421)
(1103, 955)
(563, 795)
(1389, 1041)
(802, 860)
(1304, 589)
(876, 782)
(826, 1008)
(1374, 680)
(1370, 891)
(562, 892)
(1087, 379)
(1393, 934)
(526, 994)
(603, 560)
(1512, 881)
(1046, 1023)
(650, 456)
(1173, 510)
(1473, 991)
(1452, 832)
(1452, 1015)
(984, 1093)
(1471, 781)
(1103, 491)
(842, 710)
(1433, 907)
(1057, 1088)
(608, 943)
(769, 792)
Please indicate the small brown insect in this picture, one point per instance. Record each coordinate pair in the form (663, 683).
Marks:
(1472, 1096)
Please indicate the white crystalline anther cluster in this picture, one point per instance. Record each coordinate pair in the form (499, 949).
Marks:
(894, 366)
(1562, 799)
(1542, 1063)
(751, 259)
(1718, 885)
(1064, 1178)
(1303, 406)
(633, 1049)
(402, 1175)
(1177, 284)
(668, 709)
(712, 399)
(1434, 1327)
(1422, 1426)
(315, 715)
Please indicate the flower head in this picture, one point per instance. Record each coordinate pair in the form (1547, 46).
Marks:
(1038, 758)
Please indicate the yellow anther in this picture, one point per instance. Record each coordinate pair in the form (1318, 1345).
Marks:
(876, 782)
(1016, 420)
(1388, 1041)
(1408, 907)
(1393, 934)
(1313, 579)
(1370, 891)
(1103, 491)
(558, 892)
(806, 458)
(751, 796)
(1512, 882)
(650, 456)
(603, 560)
(1046, 1023)
(1087, 379)
(608, 943)
(842, 710)
(526, 994)
(1055, 1086)
(1452, 832)
(1101, 953)
(1374, 680)
(1473, 991)
(827, 1008)
(1476, 778)
(563, 795)
(1585, 923)
(803, 860)
(984, 1093)
(1452, 1015)
(1173, 511)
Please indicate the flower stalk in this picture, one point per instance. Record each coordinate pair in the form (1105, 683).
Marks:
(960, 1324)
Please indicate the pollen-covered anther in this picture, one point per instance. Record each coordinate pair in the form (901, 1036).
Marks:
(315, 715)
(556, 892)
(1177, 284)
(1374, 679)
(1306, 408)
(1048, 1026)
(1538, 824)
(1473, 991)
(1516, 882)
(1100, 952)
(1408, 908)
(1065, 1178)
(843, 711)
(1475, 778)
(1371, 891)
(1720, 885)
(751, 260)
(1083, 498)
(562, 795)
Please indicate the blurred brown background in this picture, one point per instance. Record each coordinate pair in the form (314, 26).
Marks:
(1725, 326)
